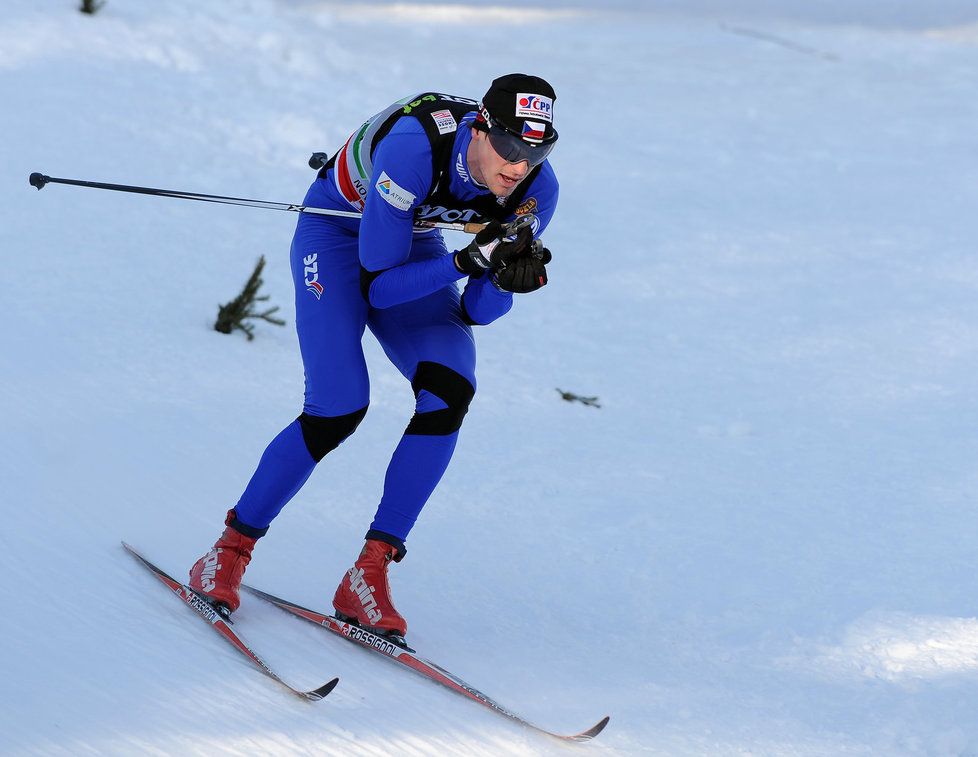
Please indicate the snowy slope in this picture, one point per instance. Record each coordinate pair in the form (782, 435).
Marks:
(764, 541)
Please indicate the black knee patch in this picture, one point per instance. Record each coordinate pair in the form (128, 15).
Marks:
(323, 435)
(450, 387)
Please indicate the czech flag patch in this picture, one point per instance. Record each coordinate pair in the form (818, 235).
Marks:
(533, 130)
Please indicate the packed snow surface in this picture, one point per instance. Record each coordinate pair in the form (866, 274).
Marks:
(765, 540)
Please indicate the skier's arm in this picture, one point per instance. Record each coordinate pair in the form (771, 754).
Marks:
(401, 179)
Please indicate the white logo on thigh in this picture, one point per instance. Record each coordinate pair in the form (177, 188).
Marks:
(312, 275)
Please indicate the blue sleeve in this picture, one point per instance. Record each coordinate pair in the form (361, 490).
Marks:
(400, 181)
(483, 302)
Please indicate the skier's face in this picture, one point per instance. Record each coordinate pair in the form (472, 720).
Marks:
(490, 169)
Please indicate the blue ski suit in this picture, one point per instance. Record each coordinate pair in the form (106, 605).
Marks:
(380, 272)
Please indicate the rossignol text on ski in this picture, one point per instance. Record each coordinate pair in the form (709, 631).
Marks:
(411, 659)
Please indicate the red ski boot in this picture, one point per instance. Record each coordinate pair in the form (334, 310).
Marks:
(364, 596)
(217, 575)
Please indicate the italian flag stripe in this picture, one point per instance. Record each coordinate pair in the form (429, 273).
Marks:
(343, 178)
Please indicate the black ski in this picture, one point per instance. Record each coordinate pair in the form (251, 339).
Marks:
(223, 627)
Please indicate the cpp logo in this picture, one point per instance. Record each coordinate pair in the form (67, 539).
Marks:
(534, 106)
(534, 103)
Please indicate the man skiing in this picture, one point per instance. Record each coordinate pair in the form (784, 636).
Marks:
(428, 157)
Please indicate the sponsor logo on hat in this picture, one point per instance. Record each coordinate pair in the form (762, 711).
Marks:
(396, 195)
(534, 106)
(445, 121)
(533, 130)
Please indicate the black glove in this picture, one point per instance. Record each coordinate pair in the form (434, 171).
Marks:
(489, 250)
(527, 273)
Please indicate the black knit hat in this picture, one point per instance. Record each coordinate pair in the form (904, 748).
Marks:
(521, 104)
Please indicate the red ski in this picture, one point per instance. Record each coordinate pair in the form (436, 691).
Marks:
(223, 627)
(409, 658)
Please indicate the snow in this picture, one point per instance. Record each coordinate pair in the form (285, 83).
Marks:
(763, 542)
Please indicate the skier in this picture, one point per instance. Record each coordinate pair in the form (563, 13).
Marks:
(431, 156)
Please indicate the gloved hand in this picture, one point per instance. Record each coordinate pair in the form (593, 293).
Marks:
(489, 248)
(527, 273)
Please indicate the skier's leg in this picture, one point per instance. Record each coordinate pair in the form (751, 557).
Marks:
(443, 381)
(430, 344)
(433, 348)
(330, 321)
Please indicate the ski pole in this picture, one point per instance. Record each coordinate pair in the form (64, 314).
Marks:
(39, 180)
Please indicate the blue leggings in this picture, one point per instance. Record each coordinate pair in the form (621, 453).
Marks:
(331, 315)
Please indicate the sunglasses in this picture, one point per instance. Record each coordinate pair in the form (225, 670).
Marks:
(514, 149)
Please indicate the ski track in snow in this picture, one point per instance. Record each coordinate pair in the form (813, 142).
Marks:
(764, 541)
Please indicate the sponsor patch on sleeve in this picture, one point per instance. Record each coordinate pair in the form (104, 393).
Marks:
(393, 193)
(445, 121)
(534, 106)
